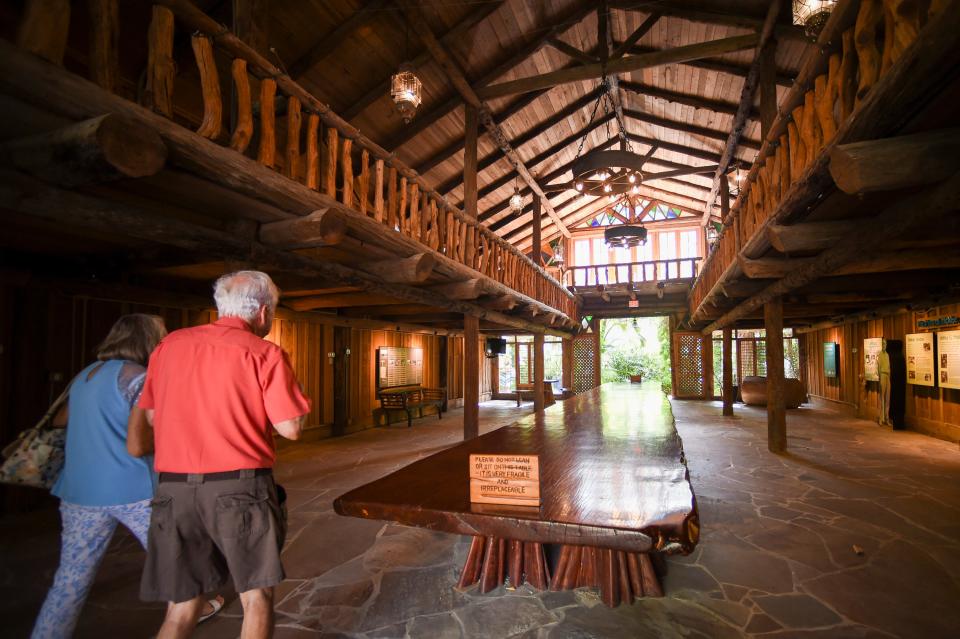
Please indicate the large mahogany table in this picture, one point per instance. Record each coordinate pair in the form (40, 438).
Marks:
(614, 488)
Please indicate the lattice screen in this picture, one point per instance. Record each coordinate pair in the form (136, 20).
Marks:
(689, 362)
(583, 371)
(752, 356)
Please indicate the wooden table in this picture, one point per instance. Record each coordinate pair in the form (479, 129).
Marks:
(614, 487)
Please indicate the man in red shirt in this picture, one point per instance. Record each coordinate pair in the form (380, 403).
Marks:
(212, 393)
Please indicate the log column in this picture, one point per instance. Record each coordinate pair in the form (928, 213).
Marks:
(728, 372)
(442, 345)
(776, 408)
(341, 379)
(471, 377)
(538, 385)
(537, 226)
(471, 119)
(567, 364)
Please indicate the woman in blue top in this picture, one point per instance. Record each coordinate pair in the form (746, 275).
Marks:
(101, 483)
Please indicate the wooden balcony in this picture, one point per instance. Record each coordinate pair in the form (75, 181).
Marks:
(872, 76)
(633, 288)
(292, 186)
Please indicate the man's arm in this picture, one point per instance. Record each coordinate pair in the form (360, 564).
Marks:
(291, 428)
(140, 432)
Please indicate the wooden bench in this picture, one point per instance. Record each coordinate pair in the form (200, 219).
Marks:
(614, 498)
(410, 400)
(526, 390)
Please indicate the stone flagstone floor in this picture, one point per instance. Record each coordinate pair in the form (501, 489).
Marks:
(853, 534)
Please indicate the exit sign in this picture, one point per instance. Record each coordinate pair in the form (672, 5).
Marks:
(633, 304)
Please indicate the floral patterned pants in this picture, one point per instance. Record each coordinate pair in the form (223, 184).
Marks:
(87, 531)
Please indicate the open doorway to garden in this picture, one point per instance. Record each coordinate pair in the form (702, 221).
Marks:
(635, 349)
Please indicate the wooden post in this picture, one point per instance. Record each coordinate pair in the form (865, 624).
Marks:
(250, 19)
(595, 325)
(538, 386)
(442, 369)
(104, 36)
(728, 372)
(768, 88)
(537, 224)
(44, 29)
(471, 118)
(776, 409)
(471, 377)
(341, 379)
(567, 366)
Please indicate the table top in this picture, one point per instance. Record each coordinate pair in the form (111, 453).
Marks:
(612, 468)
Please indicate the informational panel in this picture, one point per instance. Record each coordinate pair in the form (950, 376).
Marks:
(921, 368)
(831, 357)
(399, 366)
(511, 480)
(948, 359)
(872, 347)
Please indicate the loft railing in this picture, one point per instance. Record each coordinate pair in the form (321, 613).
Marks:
(384, 188)
(632, 272)
(847, 71)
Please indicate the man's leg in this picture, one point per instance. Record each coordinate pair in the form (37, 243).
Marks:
(257, 613)
(181, 618)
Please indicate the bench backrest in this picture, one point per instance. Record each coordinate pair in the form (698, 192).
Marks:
(434, 394)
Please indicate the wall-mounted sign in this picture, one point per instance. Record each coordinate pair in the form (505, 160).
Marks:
(399, 366)
(512, 480)
(872, 347)
(948, 359)
(831, 357)
(920, 359)
(936, 322)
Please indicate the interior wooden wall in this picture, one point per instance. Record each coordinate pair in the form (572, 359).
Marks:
(46, 337)
(933, 411)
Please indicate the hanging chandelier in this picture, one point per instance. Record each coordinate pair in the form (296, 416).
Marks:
(516, 200)
(405, 89)
(812, 14)
(614, 174)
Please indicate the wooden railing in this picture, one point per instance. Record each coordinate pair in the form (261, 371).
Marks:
(632, 272)
(856, 50)
(382, 187)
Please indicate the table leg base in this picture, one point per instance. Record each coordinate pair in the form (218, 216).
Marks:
(620, 576)
(492, 560)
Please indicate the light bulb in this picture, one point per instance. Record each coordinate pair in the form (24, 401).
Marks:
(578, 186)
(632, 178)
(607, 188)
(635, 190)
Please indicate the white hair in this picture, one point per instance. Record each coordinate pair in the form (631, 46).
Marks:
(241, 294)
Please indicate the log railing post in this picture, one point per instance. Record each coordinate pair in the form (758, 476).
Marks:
(268, 122)
(160, 65)
(44, 29)
(104, 36)
(776, 409)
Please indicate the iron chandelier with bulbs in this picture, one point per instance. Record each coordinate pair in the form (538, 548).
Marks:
(812, 14)
(614, 174)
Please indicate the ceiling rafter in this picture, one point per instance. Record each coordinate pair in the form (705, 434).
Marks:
(746, 103)
(455, 75)
(686, 99)
(784, 78)
(330, 41)
(754, 23)
(639, 32)
(511, 60)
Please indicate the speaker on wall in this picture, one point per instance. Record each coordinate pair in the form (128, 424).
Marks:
(495, 346)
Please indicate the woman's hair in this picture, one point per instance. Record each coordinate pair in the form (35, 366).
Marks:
(132, 338)
(241, 294)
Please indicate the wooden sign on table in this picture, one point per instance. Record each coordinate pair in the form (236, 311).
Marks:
(512, 480)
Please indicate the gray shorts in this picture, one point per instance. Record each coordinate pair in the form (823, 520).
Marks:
(202, 532)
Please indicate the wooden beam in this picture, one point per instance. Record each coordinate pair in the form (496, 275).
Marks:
(612, 81)
(341, 380)
(687, 99)
(536, 242)
(470, 122)
(407, 270)
(417, 22)
(250, 19)
(895, 163)
(621, 65)
(767, 85)
(883, 262)
(634, 37)
(464, 290)
(707, 16)
(727, 372)
(746, 104)
(570, 50)
(783, 78)
(337, 300)
(675, 125)
(104, 43)
(471, 377)
(330, 41)
(43, 29)
(103, 149)
(894, 222)
(811, 236)
(323, 227)
(776, 385)
(538, 385)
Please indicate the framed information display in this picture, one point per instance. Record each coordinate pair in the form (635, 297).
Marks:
(920, 360)
(831, 355)
(399, 366)
(872, 347)
(948, 359)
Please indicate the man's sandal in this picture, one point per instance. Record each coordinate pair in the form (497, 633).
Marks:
(216, 604)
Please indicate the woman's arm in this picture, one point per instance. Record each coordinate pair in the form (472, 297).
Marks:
(60, 419)
(139, 433)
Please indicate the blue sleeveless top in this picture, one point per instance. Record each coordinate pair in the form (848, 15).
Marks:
(98, 470)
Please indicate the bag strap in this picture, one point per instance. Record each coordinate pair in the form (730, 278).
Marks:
(55, 406)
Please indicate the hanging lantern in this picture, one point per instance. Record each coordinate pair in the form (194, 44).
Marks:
(516, 200)
(405, 89)
(812, 14)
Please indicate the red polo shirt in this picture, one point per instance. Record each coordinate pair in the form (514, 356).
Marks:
(216, 390)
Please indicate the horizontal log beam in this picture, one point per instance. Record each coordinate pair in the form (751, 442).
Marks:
(621, 65)
(323, 227)
(772, 268)
(687, 99)
(715, 65)
(895, 163)
(408, 270)
(465, 290)
(105, 148)
(729, 18)
(329, 41)
(343, 300)
(675, 125)
(811, 236)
